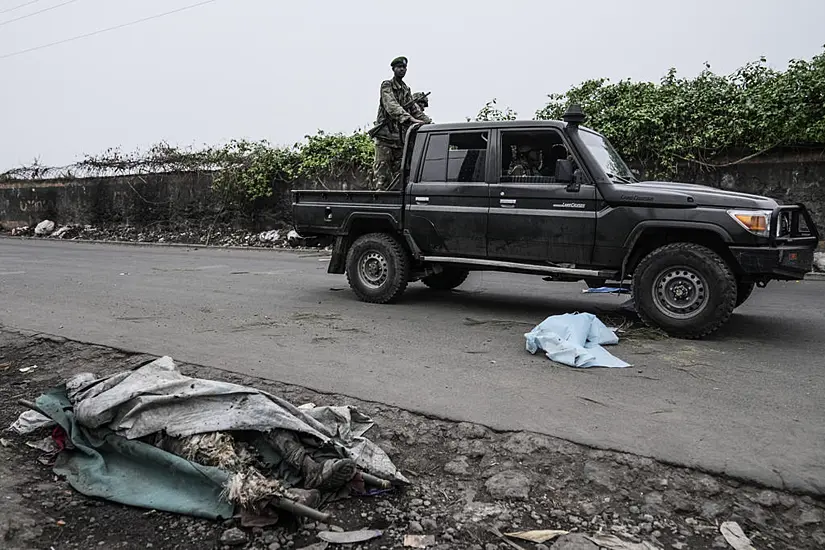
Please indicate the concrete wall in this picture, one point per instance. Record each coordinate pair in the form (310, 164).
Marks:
(161, 199)
(789, 175)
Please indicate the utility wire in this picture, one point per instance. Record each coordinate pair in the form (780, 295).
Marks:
(20, 6)
(100, 31)
(37, 12)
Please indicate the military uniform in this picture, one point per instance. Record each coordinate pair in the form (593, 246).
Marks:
(522, 167)
(389, 140)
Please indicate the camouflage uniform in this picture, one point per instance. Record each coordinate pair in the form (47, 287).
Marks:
(522, 167)
(389, 140)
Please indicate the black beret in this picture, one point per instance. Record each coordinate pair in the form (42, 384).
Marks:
(398, 61)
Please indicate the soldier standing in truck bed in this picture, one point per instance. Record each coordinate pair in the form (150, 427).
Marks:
(393, 120)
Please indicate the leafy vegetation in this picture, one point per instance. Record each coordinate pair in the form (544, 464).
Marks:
(656, 125)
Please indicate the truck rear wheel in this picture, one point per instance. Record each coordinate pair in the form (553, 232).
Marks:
(685, 289)
(448, 279)
(378, 268)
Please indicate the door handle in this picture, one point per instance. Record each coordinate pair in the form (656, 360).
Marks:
(507, 203)
(422, 200)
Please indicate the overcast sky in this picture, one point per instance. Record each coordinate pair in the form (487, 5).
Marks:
(264, 69)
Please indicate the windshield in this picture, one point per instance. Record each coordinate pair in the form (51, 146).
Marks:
(606, 156)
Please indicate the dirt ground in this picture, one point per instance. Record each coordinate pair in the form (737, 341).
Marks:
(469, 484)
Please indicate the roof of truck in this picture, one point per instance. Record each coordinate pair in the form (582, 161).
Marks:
(487, 125)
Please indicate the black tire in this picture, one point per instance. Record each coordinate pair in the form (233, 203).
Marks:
(685, 289)
(448, 279)
(743, 292)
(378, 268)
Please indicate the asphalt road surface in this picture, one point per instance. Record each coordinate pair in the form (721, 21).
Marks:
(747, 402)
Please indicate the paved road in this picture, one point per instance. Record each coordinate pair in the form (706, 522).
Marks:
(748, 402)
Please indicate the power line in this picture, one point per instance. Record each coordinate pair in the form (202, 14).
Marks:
(93, 33)
(37, 12)
(20, 6)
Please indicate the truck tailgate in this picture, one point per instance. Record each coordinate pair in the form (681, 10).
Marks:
(330, 212)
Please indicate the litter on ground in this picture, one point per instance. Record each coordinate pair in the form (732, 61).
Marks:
(574, 339)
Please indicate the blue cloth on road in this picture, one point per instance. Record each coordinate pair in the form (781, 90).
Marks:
(606, 290)
(574, 339)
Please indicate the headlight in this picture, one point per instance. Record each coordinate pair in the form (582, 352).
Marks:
(757, 222)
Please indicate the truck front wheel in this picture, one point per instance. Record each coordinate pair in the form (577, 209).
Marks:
(685, 289)
(378, 268)
(448, 279)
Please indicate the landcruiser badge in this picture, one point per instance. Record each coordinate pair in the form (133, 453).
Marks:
(569, 205)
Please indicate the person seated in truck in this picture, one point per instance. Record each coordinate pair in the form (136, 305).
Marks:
(526, 162)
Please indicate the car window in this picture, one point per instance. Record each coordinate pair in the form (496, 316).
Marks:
(530, 156)
(457, 157)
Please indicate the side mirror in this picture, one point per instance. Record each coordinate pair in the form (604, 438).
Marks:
(564, 171)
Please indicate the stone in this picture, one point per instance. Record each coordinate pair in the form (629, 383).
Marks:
(458, 467)
(768, 499)
(787, 501)
(467, 430)
(524, 443)
(809, 516)
(415, 527)
(574, 541)
(429, 524)
(819, 538)
(712, 510)
(473, 448)
(599, 474)
(274, 546)
(706, 485)
(233, 537)
(44, 228)
(509, 484)
(588, 509)
(653, 502)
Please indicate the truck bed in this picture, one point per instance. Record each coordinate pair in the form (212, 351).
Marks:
(331, 212)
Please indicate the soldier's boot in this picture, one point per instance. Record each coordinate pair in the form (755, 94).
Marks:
(329, 476)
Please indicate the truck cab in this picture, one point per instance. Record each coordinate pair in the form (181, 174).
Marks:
(554, 198)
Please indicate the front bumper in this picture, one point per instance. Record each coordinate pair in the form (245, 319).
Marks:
(788, 263)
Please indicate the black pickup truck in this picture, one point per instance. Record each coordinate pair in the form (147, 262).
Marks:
(691, 253)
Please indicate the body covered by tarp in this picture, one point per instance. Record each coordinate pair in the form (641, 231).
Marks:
(113, 426)
(157, 398)
(574, 339)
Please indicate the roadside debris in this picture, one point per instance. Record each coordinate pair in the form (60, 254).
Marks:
(419, 541)
(30, 421)
(537, 536)
(612, 542)
(574, 339)
(819, 261)
(221, 235)
(349, 537)
(157, 439)
(735, 536)
(44, 228)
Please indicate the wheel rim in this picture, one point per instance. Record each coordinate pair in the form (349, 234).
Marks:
(373, 269)
(680, 293)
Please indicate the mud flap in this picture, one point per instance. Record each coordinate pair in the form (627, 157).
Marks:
(338, 262)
